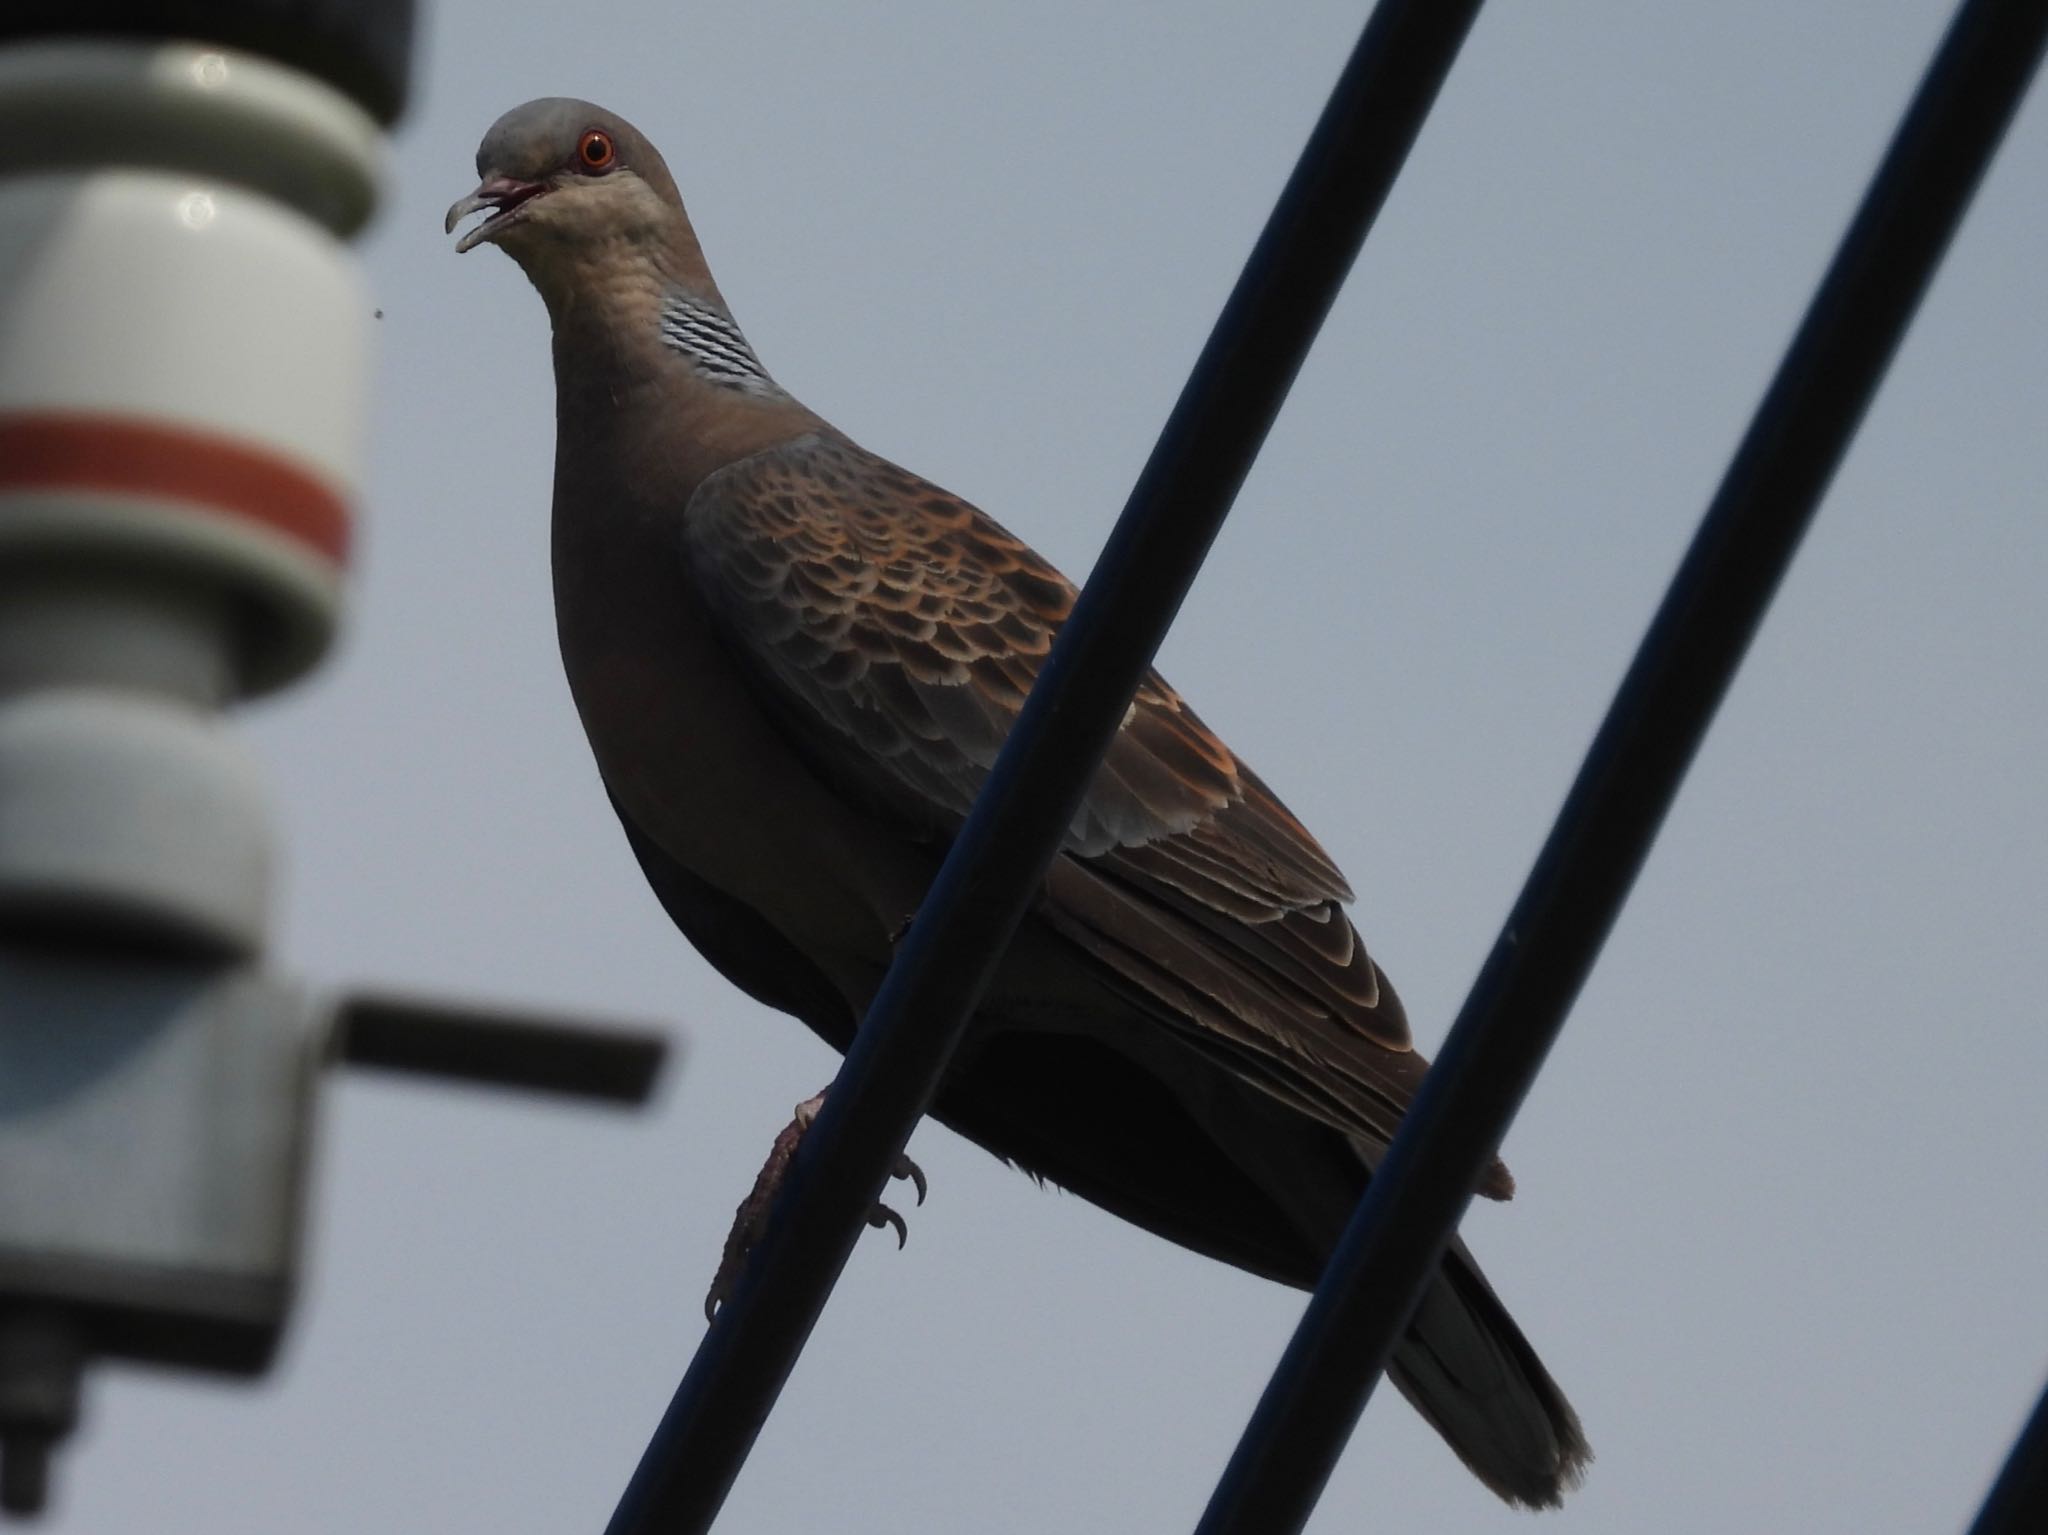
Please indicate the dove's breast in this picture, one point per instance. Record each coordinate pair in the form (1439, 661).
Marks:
(687, 751)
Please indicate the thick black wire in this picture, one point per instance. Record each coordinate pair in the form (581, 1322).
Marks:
(2018, 1501)
(1000, 857)
(1519, 1001)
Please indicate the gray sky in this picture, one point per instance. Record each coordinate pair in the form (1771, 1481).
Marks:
(1779, 1227)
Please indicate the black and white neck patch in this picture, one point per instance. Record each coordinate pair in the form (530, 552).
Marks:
(714, 345)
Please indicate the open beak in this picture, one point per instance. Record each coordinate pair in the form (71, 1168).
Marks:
(504, 197)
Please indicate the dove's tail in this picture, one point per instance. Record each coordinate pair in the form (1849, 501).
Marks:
(1466, 1367)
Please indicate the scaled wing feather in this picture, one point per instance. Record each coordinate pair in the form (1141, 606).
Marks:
(897, 630)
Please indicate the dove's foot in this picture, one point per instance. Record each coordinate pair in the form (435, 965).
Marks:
(752, 1216)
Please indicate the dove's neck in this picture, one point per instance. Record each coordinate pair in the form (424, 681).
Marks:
(653, 376)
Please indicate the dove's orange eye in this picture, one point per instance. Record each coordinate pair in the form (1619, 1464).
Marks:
(595, 151)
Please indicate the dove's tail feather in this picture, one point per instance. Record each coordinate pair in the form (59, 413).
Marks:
(1466, 1367)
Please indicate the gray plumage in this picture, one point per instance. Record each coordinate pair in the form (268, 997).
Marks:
(795, 663)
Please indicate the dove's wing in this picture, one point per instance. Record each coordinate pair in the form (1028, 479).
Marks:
(896, 630)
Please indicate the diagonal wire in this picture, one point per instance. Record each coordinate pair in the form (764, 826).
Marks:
(2018, 1501)
(1001, 853)
(1631, 774)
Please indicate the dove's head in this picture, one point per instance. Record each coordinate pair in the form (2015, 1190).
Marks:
(567, 185)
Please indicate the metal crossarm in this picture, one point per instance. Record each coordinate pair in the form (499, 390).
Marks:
(1012, 835)
(499, 1049)
(1632, 772)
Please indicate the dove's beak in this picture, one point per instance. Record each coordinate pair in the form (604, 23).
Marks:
(504, 197)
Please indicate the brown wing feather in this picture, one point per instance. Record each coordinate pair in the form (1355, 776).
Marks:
(899, 629)
(913, 626)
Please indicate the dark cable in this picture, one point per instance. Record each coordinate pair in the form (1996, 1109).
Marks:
(1632, 772)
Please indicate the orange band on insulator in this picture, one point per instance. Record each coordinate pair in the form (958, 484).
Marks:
(216, 474)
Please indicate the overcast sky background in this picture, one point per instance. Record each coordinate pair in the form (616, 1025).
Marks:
(1779, 1232)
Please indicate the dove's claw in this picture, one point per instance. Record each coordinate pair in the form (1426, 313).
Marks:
(752, 1216)
(881, 1215)
(907, 1169)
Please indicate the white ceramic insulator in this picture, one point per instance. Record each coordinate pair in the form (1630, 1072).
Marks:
(183, 371)
(143, 816)
(183, 388)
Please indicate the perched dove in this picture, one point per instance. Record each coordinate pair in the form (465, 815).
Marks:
(795, 663)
